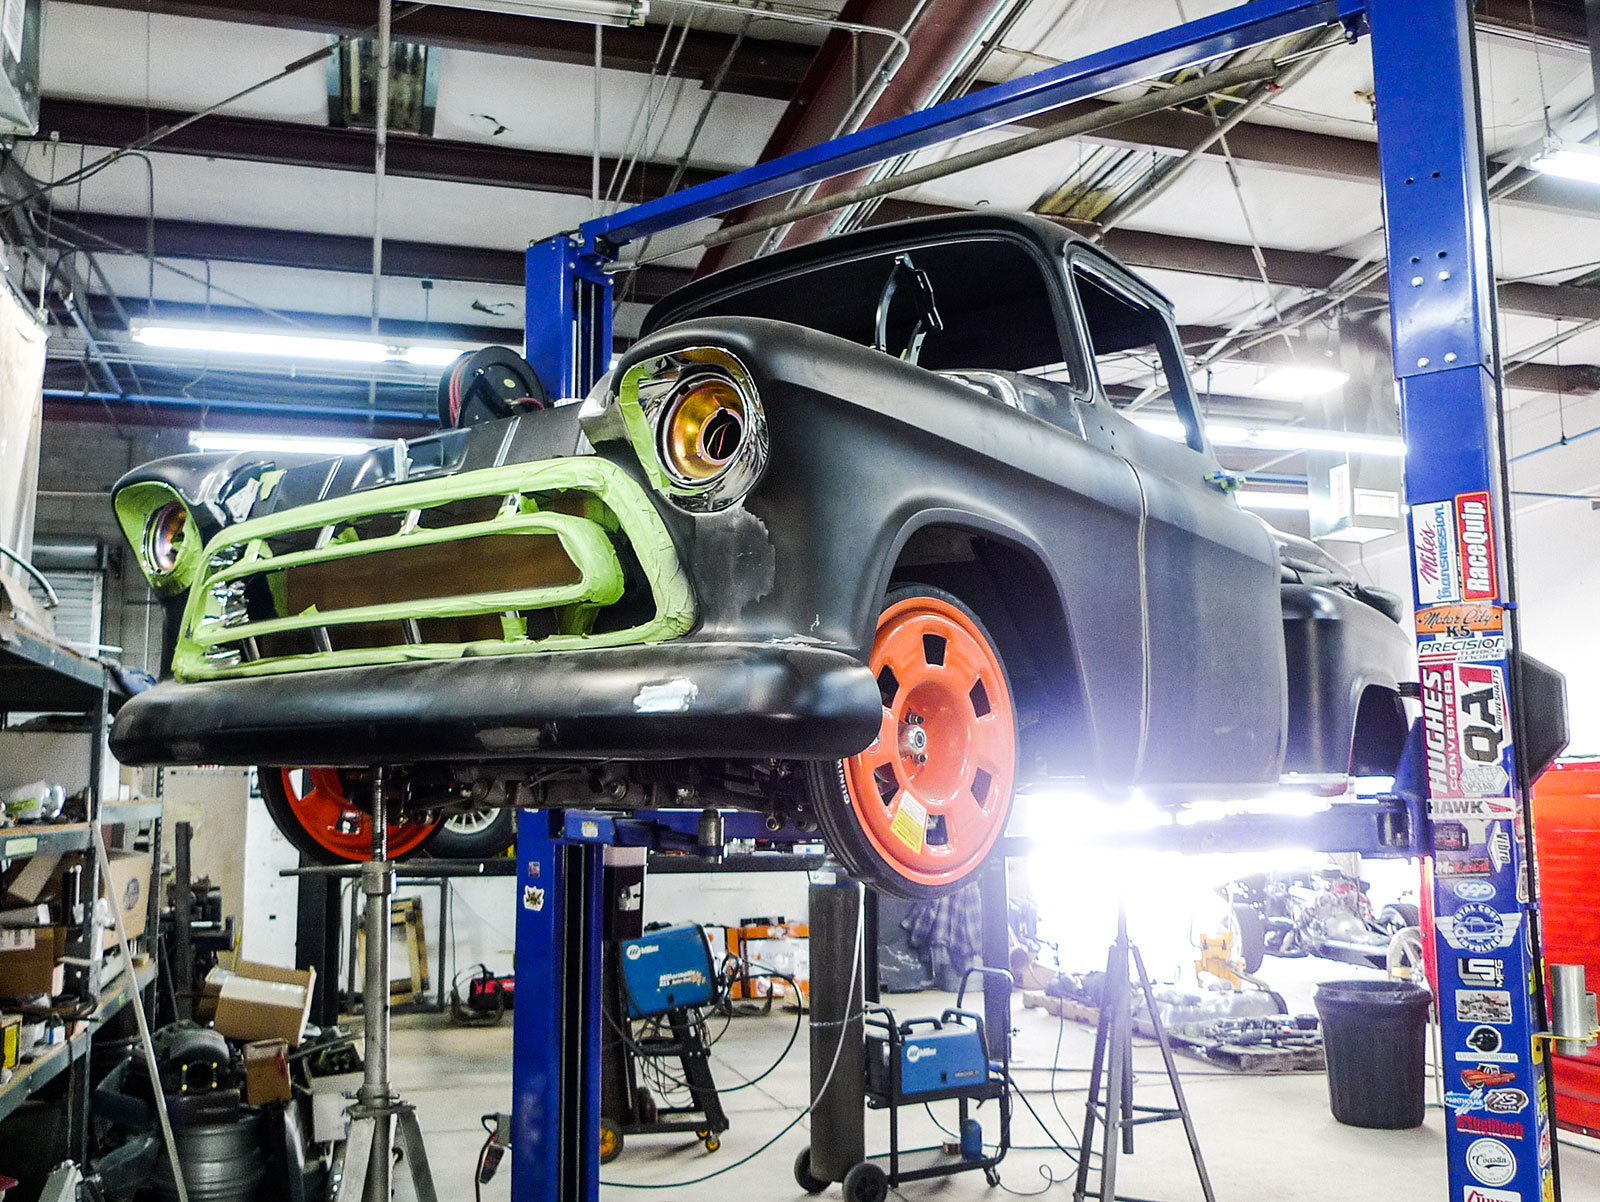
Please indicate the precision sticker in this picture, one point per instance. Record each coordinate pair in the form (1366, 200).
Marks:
(1435, 551)
(1475, 927)
(1491, 1162)
(1464, 648)
(910, 824)
(1483, 1006)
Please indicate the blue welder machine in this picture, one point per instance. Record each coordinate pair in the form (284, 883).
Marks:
(665, 979)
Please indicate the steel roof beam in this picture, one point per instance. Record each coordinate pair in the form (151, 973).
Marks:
(295, 144)
(763, 67)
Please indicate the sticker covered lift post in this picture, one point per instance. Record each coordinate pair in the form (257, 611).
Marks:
(1491, 1009)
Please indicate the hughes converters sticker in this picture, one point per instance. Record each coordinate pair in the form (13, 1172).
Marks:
(1464, 730)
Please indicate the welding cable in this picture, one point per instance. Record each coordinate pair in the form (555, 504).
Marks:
(855, 975)
(794, 1032)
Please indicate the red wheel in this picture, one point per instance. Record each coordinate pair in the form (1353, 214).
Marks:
(314, 813)
(918, 811)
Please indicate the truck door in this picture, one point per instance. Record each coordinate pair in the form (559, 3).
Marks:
(1212, 626)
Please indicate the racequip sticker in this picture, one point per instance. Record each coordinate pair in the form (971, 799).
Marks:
(1475, 927)
(1465, 734)
(1435, 550)
(1484, 1006)
(1490, 1161)
(1476, 547)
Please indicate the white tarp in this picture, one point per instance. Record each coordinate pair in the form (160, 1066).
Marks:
(22, 349)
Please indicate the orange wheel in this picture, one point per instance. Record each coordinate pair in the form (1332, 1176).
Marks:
(314, 813)
(918, 811)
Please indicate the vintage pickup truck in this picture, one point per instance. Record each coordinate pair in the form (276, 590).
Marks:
(868, 536)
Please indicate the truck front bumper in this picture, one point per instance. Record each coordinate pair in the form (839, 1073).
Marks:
(664, 701)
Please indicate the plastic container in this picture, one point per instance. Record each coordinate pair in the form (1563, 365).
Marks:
(1375, 1036)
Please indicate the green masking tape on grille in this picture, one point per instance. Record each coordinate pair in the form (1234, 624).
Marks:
(584, 541)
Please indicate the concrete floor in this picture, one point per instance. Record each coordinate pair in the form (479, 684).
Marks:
(1264, 1137)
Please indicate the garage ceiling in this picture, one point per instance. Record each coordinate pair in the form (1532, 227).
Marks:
(263, 214)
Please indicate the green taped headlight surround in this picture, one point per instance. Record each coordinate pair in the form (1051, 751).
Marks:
(141, 509)
(242, 551)
(647, 399)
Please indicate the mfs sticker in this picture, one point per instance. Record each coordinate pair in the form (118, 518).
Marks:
(1435, 548)
(1476, 546)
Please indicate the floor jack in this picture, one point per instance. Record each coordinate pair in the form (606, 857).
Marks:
(662, 979)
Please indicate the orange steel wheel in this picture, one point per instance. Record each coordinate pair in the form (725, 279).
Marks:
(932, 793)
(314, 813)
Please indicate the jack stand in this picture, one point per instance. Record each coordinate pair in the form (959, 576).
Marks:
(370, 1145)
(1113, 1057)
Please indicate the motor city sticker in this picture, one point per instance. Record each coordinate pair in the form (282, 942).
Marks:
(1484, 1006)
(1474, 890)
(1435, 550)
(1490, 1161)
(1481, 970)
(1460, 620)
(1475, 927)
(1476, 546)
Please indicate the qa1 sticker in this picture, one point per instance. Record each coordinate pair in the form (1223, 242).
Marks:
(1475, 927)
(1491, 1162)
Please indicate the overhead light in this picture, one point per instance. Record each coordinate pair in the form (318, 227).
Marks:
(1254, 498)
(1569, 162)
(1295, 380)
(219, 440)
(588, 12)
(1275, 381)
(1278, 438)
(223, 341)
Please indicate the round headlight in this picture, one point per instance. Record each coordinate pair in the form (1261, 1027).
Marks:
(163, 538)
(702, 431)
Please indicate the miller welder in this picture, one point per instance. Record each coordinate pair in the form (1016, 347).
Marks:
(665, 978)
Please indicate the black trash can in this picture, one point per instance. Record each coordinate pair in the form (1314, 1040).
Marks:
(1375, 1036)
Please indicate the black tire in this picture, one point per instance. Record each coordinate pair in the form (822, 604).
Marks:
(610, 1141)
(480, 834)
(866, 1183)
(802, 1174)
(282, 813)
(1399, 916)
(1252, 949)
(834, 811)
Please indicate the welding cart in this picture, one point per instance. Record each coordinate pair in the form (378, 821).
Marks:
(666, 980)
(918, 1061)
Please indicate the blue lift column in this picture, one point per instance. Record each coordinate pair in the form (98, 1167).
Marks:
(1441, 288)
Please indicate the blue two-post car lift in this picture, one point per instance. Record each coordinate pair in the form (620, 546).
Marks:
(1447, 366)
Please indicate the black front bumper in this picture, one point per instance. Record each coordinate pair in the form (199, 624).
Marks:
(669, 701)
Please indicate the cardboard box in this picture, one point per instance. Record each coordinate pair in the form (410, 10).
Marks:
(260, 1001)
(266, 1072)
(26, 887)
(10, 1039)
(329, 1101)
(128, 888)
(30, 962)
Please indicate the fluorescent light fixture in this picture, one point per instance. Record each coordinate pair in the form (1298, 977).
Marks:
(1278, 438)
(1570, 162)
(587, 12)
(220, 440)
(1254, 498)
(223, 341)
(1294, 380)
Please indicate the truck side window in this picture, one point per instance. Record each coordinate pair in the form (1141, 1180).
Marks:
(1137, 359)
